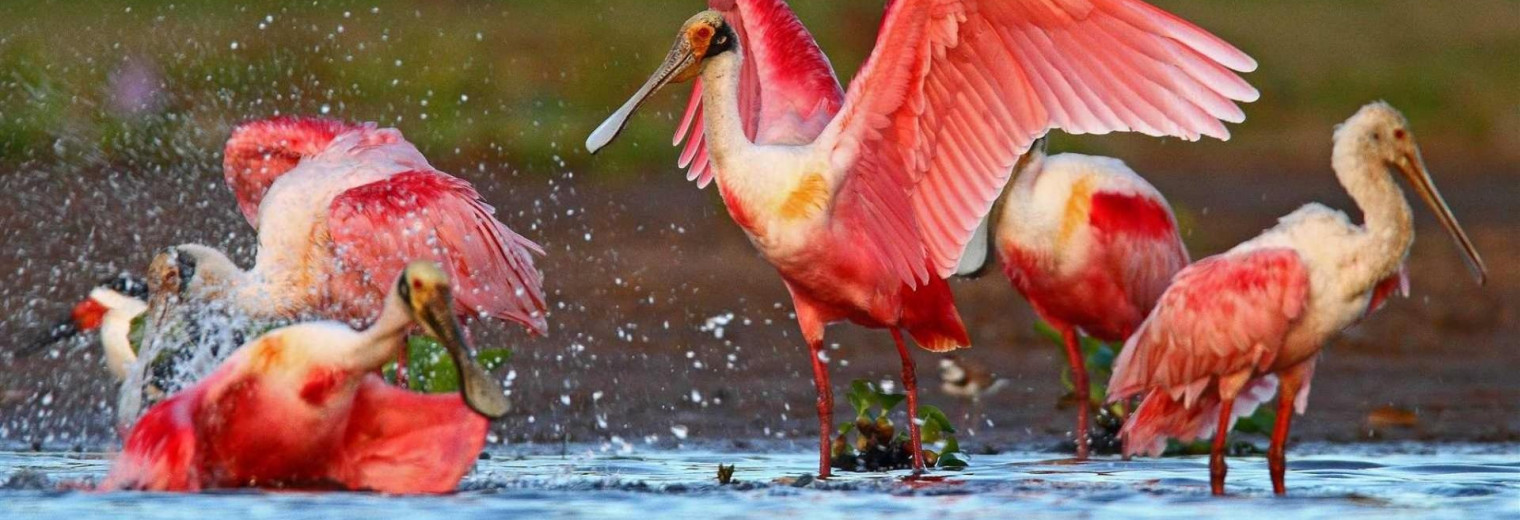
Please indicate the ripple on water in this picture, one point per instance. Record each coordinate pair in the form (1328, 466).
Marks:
(681, 483)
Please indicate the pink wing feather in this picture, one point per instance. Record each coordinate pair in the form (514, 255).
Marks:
(800, 96)
(1142, 233)
(260, 151)
(380, 227)
(956, 90)
(1224, 314)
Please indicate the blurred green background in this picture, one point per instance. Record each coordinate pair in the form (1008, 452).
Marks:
(521, 83)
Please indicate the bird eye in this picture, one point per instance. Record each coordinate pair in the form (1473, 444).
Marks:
(186, 264)
(1400, 134)
(721, 40)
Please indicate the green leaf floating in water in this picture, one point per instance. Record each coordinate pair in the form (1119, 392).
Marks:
(430, 370)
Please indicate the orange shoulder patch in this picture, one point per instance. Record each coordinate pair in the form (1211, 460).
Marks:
(807, 199)
(269, 353)
(1078, 205)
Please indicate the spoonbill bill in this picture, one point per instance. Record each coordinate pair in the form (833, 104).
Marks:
(1233, 326)
(863, 201)
(301, 407)
(1090, 245)
(109, 308)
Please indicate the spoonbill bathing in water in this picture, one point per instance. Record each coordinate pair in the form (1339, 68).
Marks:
(110, 308)
(339, 210)
(301, 406)
(864, 201)
(1090, 244)
(1232, 326)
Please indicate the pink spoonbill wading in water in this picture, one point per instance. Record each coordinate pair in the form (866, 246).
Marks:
(1234, 327)
(340, 209)
(1090, 244)
(864, 200)
(301, 407)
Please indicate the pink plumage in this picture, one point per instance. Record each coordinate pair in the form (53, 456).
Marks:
(1091, 245)
(1223, 316)
(384, 205)
(956, 91)
(347, 430)
(1232, 326)
(864, 201)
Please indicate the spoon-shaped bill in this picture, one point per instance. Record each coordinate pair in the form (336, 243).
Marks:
(677, 63)
(481, 391)
(1412, 165)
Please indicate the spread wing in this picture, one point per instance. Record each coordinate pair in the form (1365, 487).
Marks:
(800, 93)
(379, 227)
(261, 151)
(1221, 315)
(956, 90)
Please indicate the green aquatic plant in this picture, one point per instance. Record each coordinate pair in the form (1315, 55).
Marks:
(880, 445)
(429, 369)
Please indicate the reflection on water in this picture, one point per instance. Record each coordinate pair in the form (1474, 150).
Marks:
(1323, 480)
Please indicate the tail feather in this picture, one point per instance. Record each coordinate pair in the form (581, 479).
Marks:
(1162, 416)
(929, 316)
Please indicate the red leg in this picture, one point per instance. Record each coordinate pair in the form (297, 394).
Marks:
(825, 406)
(1080, 384)
(1277, 457)
(1217, 467)
(910, 383)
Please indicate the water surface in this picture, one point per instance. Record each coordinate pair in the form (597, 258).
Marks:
(1325, 481)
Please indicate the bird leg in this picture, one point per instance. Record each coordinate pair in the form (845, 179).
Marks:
(910, 383)
(1078, 383)
(401, 373)
(1217, 467)
(1277, 459)
(825, 406)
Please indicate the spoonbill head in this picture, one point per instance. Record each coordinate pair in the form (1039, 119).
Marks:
(703, 36)
(1233, 328)
(300, 406)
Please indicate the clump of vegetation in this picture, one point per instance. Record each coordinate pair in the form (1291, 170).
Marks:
(880, 445)
(725, 474)
(1109, 418)
(429, 369)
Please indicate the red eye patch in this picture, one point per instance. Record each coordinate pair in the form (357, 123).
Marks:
(704, 33)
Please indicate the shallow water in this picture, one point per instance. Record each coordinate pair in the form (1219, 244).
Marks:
(1324, 481)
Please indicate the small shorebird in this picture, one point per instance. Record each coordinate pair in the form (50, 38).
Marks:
(300, 406)
(110, 308)
(864, 200)
(1090, 245)
(1233, 326)
(968, 380)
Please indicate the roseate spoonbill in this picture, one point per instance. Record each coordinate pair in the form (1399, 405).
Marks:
(1233, 325)
(1090, 244)
(863, 201)
(300, 406)
(110, 307)
(340, 208)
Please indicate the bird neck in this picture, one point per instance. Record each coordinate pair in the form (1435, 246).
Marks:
(385, 336)
(1387, 228)
(721, 120)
